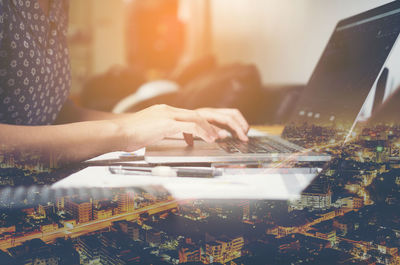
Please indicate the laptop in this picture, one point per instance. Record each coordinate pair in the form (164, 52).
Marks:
(347, 70)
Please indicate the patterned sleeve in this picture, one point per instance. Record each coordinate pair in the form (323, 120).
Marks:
(1, 21)
(66, 11)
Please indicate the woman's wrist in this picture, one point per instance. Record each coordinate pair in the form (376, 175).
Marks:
(115, 137)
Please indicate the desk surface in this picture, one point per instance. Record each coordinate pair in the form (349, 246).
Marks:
(271, 129)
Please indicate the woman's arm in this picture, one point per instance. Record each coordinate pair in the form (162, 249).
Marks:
(65, 143)
(76, 142)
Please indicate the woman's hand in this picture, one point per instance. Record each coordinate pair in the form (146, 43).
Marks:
(158, 122)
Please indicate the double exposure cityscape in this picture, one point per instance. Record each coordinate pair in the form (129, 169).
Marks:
(226, 132)
(348, 215)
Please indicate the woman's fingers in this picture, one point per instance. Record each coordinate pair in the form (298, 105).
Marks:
(227, 119)
(160, 121)
(195, 117)
(238, 116)
(230, 122)
(221, 132)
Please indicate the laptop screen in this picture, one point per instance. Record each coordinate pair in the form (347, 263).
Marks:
(346, 72)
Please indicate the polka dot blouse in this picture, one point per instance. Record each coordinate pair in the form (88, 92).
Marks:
(34, 61)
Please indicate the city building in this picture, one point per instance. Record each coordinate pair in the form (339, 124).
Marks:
(60, 203)
(100, 214)
(317, 196)
(132, 229)
(245, 206)
(153, 237)
(189, 253)
(34, 252)
(126, 202)
(46, 210)
(45, 228)
(89, 248)
(353, 202)
(81, 210)
(224, 250)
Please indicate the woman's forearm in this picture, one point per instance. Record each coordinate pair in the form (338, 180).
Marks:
(66, 143)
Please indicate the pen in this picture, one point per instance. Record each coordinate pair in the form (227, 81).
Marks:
(162, 171)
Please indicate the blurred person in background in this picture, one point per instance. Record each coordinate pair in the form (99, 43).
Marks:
(36, 115)
(155, 35)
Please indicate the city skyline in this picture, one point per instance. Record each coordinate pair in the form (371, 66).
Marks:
(349, 214)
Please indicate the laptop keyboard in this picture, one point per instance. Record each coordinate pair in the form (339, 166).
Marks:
(255, 145)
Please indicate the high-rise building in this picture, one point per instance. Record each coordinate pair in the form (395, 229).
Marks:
(82, 211)
(126, 202)
(60, 203)
(245, 206)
